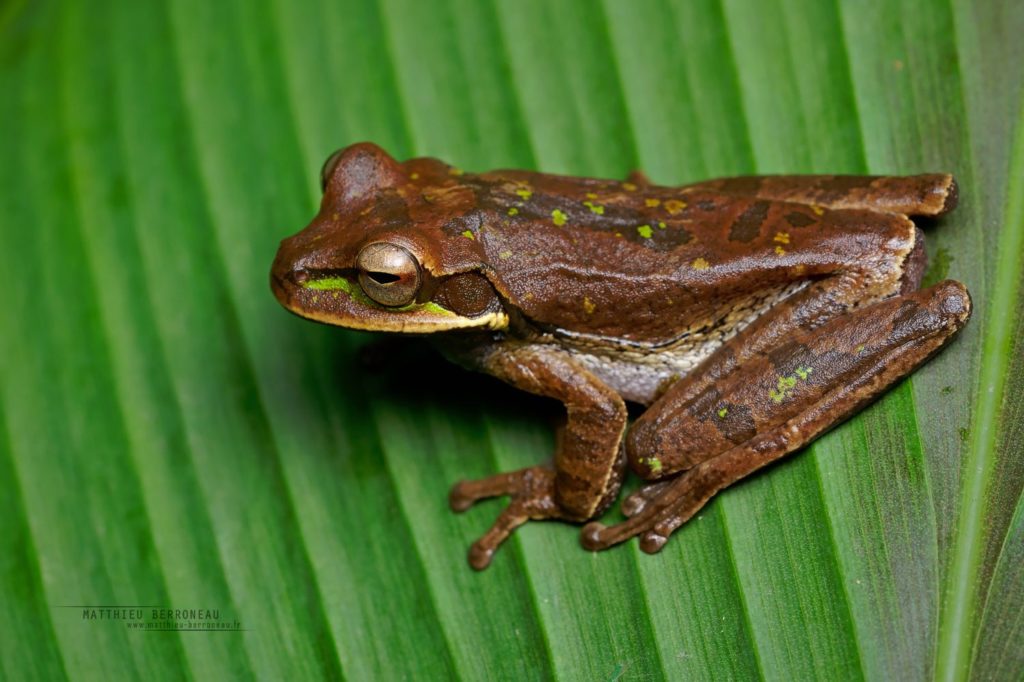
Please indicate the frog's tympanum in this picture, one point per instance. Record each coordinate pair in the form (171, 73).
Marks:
(749, 315)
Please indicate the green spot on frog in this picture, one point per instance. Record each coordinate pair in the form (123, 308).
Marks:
(661, 226)
(328, 283)
(524, 193)
(428, 307)
(513, 211)
(559, 217)
(505, 254)
(655, 464)
(644, 231)
(785, 384)
(468, 234)
(594, 208)
(722, 412)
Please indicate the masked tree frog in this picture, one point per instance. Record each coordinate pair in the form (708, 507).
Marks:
(749, 315)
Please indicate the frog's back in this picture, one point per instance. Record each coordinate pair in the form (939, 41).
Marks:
(647, 265)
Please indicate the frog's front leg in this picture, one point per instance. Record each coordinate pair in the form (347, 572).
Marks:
(589, 457)
(774, 403)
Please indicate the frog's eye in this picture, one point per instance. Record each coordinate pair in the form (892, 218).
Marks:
(327, 170)
(388, 274)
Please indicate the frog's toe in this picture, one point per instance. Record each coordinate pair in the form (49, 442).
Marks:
(596, 536)
(655, 512)
(482, 551)
(636, 502)
(652, 542)
(592, 536)
(518, 512)
(461, 497)
(532, 493)
(480, 555)
(465, 494)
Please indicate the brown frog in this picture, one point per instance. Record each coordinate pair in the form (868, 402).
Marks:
(748, 314)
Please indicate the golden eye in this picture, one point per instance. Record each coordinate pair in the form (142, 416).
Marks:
(327, 170)
(388, 274)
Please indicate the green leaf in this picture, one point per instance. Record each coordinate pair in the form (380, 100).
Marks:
(171, 438)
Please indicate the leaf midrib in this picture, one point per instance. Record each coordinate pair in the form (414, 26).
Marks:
(960, 620)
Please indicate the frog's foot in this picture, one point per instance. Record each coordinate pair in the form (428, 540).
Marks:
(637, 501)
(655, 512)
(532, 492)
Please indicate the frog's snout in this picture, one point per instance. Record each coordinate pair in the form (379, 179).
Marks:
(284, 262)
(298, 256)
(291, 267)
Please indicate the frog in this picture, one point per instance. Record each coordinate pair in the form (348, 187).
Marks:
(745, 316)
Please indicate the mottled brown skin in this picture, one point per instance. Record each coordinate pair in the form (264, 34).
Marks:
(751, 314)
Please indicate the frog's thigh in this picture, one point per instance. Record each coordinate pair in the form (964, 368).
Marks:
(786, 398)
(816, 304)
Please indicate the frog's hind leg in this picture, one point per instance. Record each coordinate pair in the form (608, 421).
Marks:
(912, 195)
(785, 399)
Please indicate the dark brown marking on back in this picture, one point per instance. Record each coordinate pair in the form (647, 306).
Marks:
(789, 356)
(736, 422)
(746, 184)
(704, 403)
(667, 240)
(799, 219)
(748, 225)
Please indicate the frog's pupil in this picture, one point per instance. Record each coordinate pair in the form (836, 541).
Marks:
(383, 277)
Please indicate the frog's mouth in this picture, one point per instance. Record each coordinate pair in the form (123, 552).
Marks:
(334, 297)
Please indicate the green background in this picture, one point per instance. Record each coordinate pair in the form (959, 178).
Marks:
(171, 436)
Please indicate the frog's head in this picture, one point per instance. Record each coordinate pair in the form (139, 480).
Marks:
(393, 248)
